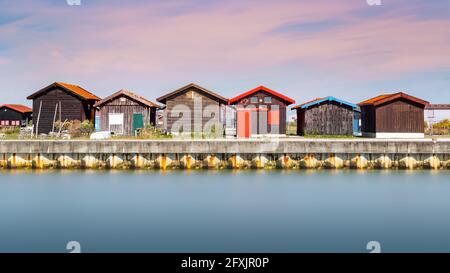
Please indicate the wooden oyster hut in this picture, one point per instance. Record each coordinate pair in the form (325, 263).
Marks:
(326, 116)
(397, 115)
(14, 115)
(124, 113)
(192, 108)
(261, 112)
(61, 101)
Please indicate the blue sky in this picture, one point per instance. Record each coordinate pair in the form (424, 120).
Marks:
(304, 49)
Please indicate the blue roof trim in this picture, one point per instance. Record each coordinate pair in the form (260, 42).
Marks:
(330, 98)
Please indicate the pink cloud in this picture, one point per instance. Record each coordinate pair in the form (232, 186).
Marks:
(145, 39)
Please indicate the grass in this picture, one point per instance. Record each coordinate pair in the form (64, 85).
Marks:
(291, 128)
(10, 132)
(329, 136)
(437, 136)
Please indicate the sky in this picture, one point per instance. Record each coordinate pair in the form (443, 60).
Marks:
(302, 48)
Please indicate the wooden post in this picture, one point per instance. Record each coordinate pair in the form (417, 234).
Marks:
(54, 118)
(38, 118)
(60, 127)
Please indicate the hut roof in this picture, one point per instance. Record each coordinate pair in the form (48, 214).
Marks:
(128, 94)
(262, 88)
(390, 97)
(321, 100)
(164, 98)
(18, 108)
(71, 88)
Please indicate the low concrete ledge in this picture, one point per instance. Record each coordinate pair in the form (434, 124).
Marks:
(225, 146)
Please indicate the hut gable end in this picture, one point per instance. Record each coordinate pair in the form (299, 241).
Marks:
(393, 115)
(261, 111)
(325, 117)
(401, 116)
(192, 107)
(53, 102)
(65, 101)
(133, 110)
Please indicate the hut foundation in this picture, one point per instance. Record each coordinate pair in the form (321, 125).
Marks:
(216, 154)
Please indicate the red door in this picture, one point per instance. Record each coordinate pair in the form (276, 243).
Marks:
(244, 123)
(247, 124)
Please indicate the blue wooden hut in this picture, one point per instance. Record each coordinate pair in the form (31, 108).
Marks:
(328, 116)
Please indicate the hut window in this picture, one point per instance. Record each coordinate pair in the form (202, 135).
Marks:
(123, 99)
(267, 99)
(254, 99)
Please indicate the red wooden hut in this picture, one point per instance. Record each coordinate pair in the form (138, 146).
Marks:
(261, 111)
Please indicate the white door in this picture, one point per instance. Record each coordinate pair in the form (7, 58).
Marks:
(116, 123)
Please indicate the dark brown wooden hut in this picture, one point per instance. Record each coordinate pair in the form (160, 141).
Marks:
(396, 115)
(193, 109)
(61, 101)
(15, 115)
(124, 112)
(326, 116)
(261, 111)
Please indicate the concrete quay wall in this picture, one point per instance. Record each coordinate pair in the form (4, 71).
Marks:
(220, 154)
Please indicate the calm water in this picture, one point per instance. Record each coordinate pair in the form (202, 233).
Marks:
(225, 211)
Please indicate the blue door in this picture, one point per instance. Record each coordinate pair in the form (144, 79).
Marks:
(357, 124)
(98, 126)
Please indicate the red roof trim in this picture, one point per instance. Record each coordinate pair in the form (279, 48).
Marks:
(18, 107)
(261, 88)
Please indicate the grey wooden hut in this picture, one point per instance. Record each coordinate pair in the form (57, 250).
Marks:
(192, 108)
(124, 112)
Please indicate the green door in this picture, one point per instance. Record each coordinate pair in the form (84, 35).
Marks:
(138, 121)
